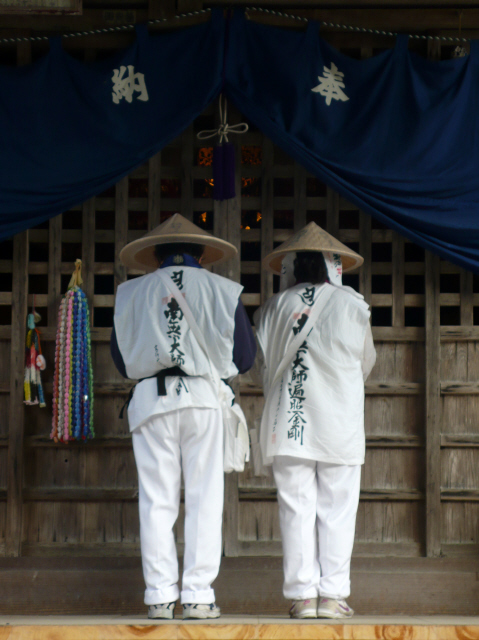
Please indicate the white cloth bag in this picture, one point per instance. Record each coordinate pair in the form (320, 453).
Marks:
(236, 439)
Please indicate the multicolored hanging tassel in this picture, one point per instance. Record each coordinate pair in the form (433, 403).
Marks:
(34, 363)
(73, 378)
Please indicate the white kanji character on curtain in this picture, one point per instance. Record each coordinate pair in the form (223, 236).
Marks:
(124, 86)
(331, 84)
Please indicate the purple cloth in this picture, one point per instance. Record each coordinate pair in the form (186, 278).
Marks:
(224, 171)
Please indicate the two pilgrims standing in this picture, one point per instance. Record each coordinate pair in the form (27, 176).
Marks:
(178, 330)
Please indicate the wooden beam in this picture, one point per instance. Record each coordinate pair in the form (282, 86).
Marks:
(460, 440)
(380, 334)
(79, 494)
(372, 441)
(459, 334)
(461, 495)
(371, 389)
(249, 586)
(99, 442)
(394, 388)
(389, 15)
(394, 442)
(388, 495)
(459, 388)
(164, 9)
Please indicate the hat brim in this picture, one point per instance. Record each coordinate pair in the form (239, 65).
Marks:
(272, 262)
(140, 254)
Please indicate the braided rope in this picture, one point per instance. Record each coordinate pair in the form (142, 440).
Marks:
(92, 32)
(281, 14)
(348, 27)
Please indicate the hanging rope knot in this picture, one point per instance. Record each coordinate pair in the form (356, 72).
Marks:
(224, 129)
(76, 279)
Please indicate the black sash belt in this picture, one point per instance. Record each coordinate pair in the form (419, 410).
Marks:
(161, 375)
(161, 384)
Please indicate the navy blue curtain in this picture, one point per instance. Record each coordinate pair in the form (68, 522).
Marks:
(71, 130)
(396, 134)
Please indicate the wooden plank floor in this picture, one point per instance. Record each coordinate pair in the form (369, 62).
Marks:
(229, 627)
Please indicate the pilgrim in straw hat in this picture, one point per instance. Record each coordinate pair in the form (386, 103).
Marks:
(312, 238)
(140, 254)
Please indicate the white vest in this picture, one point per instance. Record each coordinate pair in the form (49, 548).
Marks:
(316, 411)
(152, 334)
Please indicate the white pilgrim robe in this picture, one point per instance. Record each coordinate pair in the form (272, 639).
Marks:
(316, 410)
(152, 334)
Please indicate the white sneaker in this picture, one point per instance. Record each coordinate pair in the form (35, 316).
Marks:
(330, 608)
(304, 608)
(200, 611)
(165, 611)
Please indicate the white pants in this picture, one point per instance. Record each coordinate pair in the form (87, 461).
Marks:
(192, 438)
(318, 502)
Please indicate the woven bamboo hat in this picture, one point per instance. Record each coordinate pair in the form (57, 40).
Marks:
(140, 254)
(312, 238)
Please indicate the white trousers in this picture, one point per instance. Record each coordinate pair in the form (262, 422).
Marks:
(192, 438)
(318, 503)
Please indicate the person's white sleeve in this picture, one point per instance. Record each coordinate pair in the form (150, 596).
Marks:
(369, 353)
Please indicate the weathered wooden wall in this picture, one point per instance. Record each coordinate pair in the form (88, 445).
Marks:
(420, 485)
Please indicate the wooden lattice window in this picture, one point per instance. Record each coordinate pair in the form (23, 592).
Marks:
(86, 495)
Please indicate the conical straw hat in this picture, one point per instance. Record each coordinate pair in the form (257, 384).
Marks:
(312, 238)
(140, 254)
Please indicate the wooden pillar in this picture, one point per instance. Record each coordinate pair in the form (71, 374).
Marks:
(332, 212)
(154, 191)
(233, 213)
(433, 408)
(433, 393)
(187, 154)
(226, 213)
(398, 281)
(227, 225)
(88, 252)
(13, 533)
(365, 240)
(365, 232)
(299, 196)
(54, 268)
(467, 299)
(121, 228)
